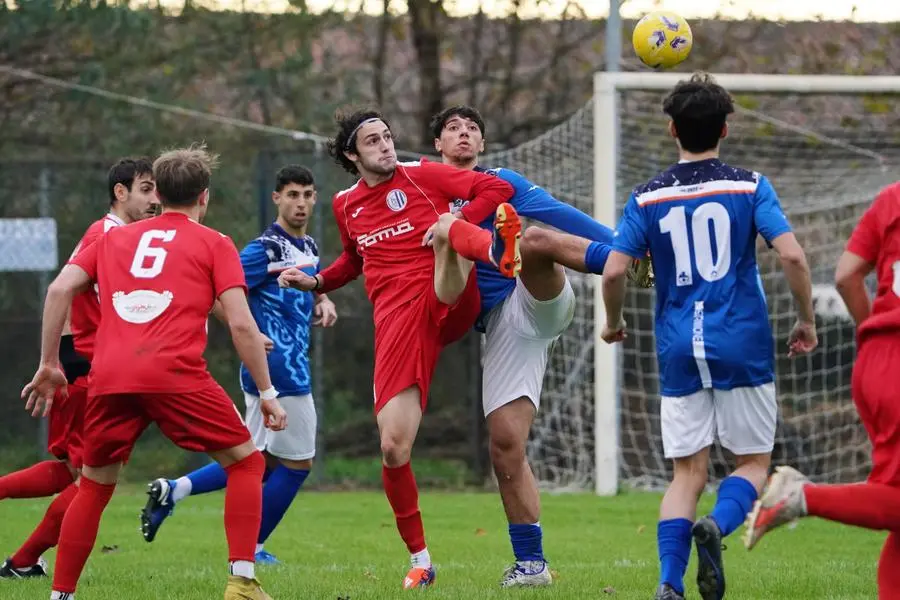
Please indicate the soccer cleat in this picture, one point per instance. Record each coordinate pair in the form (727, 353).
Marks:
(264, 558)
(419, 577)
(710, 570)
(667, 592)
(159, 506)
(782, 502)
(7, 571)
(241, 588)
(641, 272)
(527, 573)
(507, 236)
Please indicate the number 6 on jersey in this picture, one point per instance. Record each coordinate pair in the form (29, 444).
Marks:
(145, 251)
(711, 267)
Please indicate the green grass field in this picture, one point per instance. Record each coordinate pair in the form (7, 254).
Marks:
(344, 545)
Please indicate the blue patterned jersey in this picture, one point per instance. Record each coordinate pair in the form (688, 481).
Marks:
(700, 221)
(533, 202)
(283, 314)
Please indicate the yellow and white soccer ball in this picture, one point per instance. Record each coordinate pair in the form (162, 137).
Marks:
(662, 39)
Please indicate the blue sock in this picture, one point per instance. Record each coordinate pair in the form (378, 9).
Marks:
(595, 257)
(673, 539)
(207, 479)
(278, 493)
(735, 499)
(527, 541)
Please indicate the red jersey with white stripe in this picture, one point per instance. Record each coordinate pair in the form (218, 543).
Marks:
(157, 281)
(85, 314)
(382, 227)
(876, 240)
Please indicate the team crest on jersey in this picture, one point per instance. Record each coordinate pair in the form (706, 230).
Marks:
(396, 200)
(457, 204)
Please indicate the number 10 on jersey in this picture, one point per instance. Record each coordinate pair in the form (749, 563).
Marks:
(710, 266)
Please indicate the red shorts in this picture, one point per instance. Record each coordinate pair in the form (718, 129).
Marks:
(202, 421)
(64, 440)
(877, 364)
(409, 341)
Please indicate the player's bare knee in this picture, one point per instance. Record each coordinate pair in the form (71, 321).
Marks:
(691, 472)
(395, 450)
(754, 468)
(507, 455)
(536, 241)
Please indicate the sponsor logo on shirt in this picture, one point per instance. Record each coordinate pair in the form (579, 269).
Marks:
(141, 306)
(370, 239)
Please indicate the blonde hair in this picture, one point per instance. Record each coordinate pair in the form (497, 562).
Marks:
(183, 174)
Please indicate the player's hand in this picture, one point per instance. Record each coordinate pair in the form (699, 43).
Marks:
(428, 238)
(325, 313)
(297, 279)
(803, 339)
(39, 394)
(273, 414)
(611, 335)
(268, 344)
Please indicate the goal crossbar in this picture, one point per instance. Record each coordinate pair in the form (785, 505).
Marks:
(606, 154)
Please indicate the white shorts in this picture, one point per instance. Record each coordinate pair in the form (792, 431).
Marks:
(744, 419)
(298, 440)
(518, 338)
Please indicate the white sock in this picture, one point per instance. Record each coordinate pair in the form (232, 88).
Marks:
(62, 596)
(243, 568)
(259, 548)
(421, 559)
(183, 487)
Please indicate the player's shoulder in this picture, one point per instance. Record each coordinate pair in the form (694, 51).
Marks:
(342, 196)
(889, 195)
(690, 180)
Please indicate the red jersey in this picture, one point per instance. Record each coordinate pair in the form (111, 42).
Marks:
(382, 227)
(876, 240)
(85, 315)
(158, 279)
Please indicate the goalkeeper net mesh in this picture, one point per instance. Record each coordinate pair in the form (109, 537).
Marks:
(827, 157)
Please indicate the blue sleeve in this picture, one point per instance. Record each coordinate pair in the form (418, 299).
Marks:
(534, 202)
(631, 234)
(768, 217)
(255, 264)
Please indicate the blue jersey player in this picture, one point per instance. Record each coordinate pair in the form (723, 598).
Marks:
(521, 318)
(284, 316)
(700, 220)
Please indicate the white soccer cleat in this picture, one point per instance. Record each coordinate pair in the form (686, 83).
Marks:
(782, 502)
(527, 573)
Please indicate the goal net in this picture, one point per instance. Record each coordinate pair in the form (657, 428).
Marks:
(826, 146)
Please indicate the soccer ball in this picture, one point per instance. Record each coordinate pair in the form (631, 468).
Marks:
(662, 39)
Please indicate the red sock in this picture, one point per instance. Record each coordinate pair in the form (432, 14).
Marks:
(79, 533)
(37, 481)
(869, 505)
(403, 494)
(470, 241)
(889, 568)
(243, 506)
(46, 534)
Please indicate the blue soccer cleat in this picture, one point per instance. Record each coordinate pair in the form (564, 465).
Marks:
(264, 558)
(159, 506)
(710, 569)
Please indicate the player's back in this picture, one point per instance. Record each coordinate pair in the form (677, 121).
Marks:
(158, 280)
(85, 313)
(877, 240)
(701, 221)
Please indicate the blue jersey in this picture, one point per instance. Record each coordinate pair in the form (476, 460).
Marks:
(700, 221)
(282, 314)
(533, 202)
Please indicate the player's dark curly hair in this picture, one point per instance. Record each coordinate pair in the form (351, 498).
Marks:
(699, 108)
(345, 141)
(125, 171)
(462, 110)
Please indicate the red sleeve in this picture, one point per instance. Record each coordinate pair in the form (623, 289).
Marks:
(227, 272)
(348, 266)
(866, 238)
(485, 192)
(86, 259)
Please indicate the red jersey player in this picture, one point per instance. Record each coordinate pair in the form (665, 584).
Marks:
(157, 281)
(131, 198)
(424, 298)
(874, 244)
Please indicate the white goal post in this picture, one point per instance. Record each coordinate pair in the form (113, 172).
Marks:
(608, 188)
